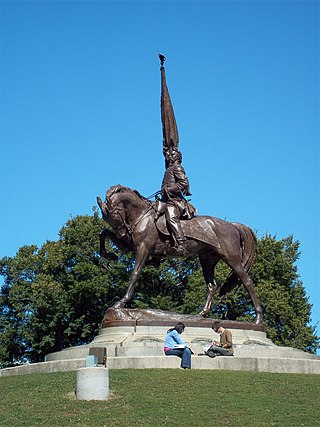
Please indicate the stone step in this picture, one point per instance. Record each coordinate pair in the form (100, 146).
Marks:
(135, 349)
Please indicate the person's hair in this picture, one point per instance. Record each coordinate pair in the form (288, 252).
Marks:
(179, 327)
(216, 325)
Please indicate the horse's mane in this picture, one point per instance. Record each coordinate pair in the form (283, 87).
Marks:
(122, 189)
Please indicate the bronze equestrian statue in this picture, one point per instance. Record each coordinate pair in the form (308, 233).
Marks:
(132, 218)
(169, 227)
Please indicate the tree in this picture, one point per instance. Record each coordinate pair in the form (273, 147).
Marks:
(283, 296)
(164, 288)
(55, 297)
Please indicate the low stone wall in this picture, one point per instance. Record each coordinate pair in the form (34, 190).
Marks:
(44, 367)
(254, 364)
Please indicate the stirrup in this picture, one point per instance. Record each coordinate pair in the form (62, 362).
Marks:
(181, 249)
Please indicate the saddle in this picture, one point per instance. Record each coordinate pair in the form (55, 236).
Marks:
(187, 210)
(198, 227)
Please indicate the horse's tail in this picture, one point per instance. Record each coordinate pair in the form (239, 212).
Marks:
(248, 247)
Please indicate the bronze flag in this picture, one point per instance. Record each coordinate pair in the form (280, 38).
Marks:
(169, 125)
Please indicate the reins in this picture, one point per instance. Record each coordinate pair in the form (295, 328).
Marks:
(154, 194)
(136, 222)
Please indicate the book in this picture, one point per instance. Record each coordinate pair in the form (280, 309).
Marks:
(182, 347)
(179, 346)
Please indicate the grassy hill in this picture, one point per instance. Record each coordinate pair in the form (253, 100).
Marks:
(164, 397)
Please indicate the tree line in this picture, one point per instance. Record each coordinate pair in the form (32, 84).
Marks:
(55, 296)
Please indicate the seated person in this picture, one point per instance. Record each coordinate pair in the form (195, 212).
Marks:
(173, 339)
(224, 348)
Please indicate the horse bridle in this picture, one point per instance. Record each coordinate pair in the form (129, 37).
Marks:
(118, 210)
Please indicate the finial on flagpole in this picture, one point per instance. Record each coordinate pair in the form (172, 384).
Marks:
(162, 59)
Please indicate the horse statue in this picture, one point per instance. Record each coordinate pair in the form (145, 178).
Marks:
(132, 217)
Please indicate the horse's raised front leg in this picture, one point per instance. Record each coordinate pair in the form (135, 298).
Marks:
(142, 254)
(208, 264)
(123, 246)
(102, 240)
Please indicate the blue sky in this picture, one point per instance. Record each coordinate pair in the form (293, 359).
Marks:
(80, 111)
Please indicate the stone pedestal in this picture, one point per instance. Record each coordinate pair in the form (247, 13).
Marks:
(134, 339)
(130, 333)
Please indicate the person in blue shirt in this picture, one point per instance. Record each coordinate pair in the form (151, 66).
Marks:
(173, 339)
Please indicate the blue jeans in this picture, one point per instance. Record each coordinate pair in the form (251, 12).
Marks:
(185, 355)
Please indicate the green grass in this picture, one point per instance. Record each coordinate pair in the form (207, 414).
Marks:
(164, 397)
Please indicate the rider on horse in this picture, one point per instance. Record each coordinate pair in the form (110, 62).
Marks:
(175, 186)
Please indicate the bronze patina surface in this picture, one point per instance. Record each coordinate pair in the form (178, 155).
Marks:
(132, 218)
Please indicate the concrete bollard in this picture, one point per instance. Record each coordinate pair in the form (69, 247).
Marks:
(92, 383)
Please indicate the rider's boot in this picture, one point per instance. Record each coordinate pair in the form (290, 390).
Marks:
(173, 220)
(181, 247)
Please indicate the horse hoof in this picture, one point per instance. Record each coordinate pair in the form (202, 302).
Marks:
(258, 320)
(119, 304)
(204, 313)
